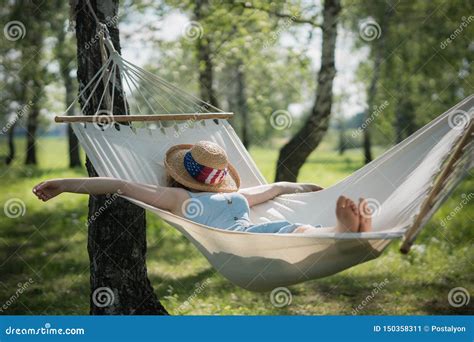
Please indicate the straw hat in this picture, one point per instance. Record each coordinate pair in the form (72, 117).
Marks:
(203, 166)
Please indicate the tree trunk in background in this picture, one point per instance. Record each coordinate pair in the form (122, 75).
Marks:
(73, 144)
(65, 67)
(398, 123)
(404, 118)
(296, 151)
(342, 136)
(206, 70)
(20, 94)
(242, 104)
(11, 145)
(367, 144)
(117, 237)
(32, 125)
(379, 45)
(37, 75)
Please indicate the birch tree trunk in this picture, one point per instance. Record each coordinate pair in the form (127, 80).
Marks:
(242, 104)
(296, 151)
(117, 237)
(206, 69)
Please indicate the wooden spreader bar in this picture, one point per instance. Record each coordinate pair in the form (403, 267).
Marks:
(413, 231)
(154, 117)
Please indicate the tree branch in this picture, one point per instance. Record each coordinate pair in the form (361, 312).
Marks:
(294, 18)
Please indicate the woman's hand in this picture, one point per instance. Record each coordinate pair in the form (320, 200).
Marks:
(48, 189)
(292, 188)
(309, 187)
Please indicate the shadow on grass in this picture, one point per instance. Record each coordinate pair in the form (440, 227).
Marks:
(373, 295)
(58, 265)
(182, 285)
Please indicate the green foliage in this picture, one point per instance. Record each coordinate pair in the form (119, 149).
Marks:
(423, 70)
(243, 38)
(31, 59)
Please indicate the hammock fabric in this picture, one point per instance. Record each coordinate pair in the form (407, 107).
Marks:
(397, 184)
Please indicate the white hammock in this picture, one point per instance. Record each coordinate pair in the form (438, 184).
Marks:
(402, 181)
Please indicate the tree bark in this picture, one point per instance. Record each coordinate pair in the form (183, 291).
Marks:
(367, 143)
(206, 69)
(379, 45)
(404, 119)
(296, 151)
(117, 237)
(242, 104)
(342, 136)
(32, 126)
(73, 146)
(11, 145)
(65, 59)
(37, 74)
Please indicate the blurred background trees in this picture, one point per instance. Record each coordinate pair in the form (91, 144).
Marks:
(394, 68)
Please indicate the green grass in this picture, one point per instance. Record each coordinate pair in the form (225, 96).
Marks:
(48, 244)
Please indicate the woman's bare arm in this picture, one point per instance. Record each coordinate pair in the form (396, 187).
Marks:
(262, 193)
(158, 196)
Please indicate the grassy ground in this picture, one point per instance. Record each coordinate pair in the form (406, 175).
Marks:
(44, 253)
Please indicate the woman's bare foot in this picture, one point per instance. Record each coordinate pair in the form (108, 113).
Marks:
(347, 215)
(365, 216)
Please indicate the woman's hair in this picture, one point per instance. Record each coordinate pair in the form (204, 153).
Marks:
(173, 183)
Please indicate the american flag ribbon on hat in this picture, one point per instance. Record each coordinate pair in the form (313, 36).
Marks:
(201, 173)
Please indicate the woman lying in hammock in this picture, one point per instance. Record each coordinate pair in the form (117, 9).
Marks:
(204, 187)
